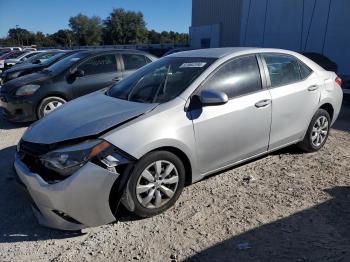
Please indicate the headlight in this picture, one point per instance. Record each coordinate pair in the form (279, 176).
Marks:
(27, 90)
(66, 161)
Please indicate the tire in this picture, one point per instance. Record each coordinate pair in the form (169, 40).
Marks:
(145, 204)
(312, 141)
(53, 102)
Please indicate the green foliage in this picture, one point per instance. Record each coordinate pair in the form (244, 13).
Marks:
(63, 37)
(124, 27)
(120, 27)
(87, 31)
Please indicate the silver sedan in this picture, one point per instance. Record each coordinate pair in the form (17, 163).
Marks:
(172, 123)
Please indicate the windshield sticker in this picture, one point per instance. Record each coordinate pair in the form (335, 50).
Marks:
(191, 65)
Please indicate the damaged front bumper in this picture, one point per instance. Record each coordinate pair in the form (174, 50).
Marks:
(79, 201)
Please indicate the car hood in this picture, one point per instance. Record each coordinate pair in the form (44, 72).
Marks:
(84, 117)
(35, 78)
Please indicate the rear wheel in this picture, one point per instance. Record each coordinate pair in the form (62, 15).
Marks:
(49, 104)
(317, 133)
(156, 183)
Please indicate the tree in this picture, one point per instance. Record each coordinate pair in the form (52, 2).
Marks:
(87, 31)
(42, 40)
(125, 27)
(63, 38)
(21, 36)
(153, 37)
(120, 27)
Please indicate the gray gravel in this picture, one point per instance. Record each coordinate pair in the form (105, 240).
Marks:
(286, 206)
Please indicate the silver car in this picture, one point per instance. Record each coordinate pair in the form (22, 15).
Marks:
(170, 124)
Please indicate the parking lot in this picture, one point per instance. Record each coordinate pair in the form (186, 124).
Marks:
(287, 206)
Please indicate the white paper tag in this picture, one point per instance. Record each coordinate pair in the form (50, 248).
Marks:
(193, 65)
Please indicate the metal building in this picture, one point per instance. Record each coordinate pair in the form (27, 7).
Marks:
(321, 26)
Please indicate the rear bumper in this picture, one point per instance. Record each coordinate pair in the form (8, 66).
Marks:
(80, 201)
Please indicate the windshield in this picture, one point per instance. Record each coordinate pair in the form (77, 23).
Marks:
(15, 54)
(52, 58)
(4, 52)
(42, 57)
(161, 81)
(65, 63)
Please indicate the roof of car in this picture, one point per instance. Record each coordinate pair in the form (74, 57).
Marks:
(98, 51)
(225, 51)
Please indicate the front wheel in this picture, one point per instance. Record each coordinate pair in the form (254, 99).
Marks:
(317, 133)
(156, 183)
(49, 104)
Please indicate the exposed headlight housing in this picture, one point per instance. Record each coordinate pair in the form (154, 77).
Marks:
(67, 160)
(27, 90)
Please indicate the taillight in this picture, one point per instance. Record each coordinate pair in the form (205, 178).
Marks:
(338, 81)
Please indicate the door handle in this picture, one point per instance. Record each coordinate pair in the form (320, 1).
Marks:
(116, 79)
(312, 88)
(263, 103)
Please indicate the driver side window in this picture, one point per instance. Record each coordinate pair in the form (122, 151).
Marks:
(238, 77)
(99, 65)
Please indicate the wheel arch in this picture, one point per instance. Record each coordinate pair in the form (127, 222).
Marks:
(184, 159)
(329, 108)
(60, 95)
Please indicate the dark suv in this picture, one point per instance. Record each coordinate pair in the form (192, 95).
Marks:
(33, 96)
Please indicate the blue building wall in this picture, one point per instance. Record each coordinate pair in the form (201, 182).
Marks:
(321, 26)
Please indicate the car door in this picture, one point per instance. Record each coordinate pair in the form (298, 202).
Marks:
(100, 71)
(132, 62)
(295, 93)
(240, 128)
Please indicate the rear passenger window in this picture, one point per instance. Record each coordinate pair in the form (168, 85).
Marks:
(134, 61)
(238, 77)
(99, 65)
(285, 69)
(305, 71)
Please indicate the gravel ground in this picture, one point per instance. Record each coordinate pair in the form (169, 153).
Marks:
(286, 206)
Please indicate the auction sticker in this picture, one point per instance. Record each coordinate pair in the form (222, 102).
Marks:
(191, 65)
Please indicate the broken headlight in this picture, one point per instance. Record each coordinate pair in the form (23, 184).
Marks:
(65, 161)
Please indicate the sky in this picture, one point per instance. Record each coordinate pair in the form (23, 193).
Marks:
(48, 16)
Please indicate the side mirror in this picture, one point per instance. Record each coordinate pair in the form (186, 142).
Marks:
(213, 98)
(79, 73)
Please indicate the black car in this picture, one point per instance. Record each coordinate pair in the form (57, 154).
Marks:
(323, 61)
(36, 65)
(33, 96)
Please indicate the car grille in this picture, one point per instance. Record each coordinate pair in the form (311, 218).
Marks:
(30, 155)
(35, 149)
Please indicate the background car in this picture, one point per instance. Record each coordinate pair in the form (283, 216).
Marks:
(173, 122)
(38, 63)
(10, 54)
(33, 96)
(4, 51)
(40, 57)
(322, 60)
(11, 61)
(178, 50)
(13, 48)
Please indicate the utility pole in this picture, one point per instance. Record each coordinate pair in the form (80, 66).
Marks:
(17, 35)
